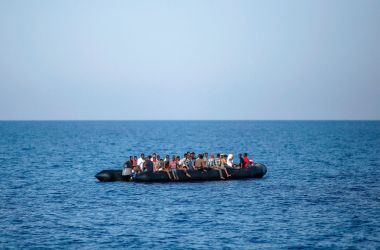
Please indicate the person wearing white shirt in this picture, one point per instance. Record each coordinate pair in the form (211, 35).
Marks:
(141, 161)
(230, 160)
(182, 162)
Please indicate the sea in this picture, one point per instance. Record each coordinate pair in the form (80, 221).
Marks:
(321, 191)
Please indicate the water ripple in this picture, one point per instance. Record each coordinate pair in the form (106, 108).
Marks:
(321, 191)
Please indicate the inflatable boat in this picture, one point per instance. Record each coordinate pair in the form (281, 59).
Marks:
(258, 170)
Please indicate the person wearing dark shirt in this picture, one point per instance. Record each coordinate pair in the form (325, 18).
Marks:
(241, 159)
(166, 160)
(148, 164)
(193, 156)
(127, 169)
(190, 162)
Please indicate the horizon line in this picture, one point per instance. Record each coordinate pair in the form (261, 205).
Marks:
(153, 120)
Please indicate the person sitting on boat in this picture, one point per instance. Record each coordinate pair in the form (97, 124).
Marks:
(127, 168)
(159, 160)
(134, 163)
(192, 157)
(223, 160)
(190, 162)
(156, 163)
(200, 164)
(165, 166)
(223, 163)
(148, 164)
(140, 162)
(154, 158)
(205, 157)
(230, 161)
(217, 159)
(182, 162)
(135, 168)
(166, 160)
(161, 164)
(241, 159)
(211, 162)
(182, 166)
(153, 155)
(173, 167)
(247, 161)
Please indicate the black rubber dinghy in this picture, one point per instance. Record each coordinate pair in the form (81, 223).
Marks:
(256, 171)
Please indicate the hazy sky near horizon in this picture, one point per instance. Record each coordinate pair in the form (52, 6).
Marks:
(296, 59)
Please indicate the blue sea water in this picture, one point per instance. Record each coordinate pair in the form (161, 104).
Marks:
(322, 189)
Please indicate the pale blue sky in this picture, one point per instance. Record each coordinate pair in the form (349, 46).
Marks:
(190, 59)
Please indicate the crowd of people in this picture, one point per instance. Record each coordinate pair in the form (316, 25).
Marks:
(189, 163)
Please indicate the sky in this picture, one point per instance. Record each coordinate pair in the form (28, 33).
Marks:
(179, 60)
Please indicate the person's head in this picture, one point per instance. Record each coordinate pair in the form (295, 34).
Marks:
(135, 157)
(217, 155)
(240, 155)
(200, 156)
(206, 154)
(178, 158)
(230, 157)
(147, 158)
(212, 156)
(192, 154)
(185, 155)
(130, 158)
(158, 157)
(245, 154)
(173, 158)
(167, 157)
(154, 157)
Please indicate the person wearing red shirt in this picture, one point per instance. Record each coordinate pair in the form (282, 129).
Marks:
(247, 161)
(134, 163)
